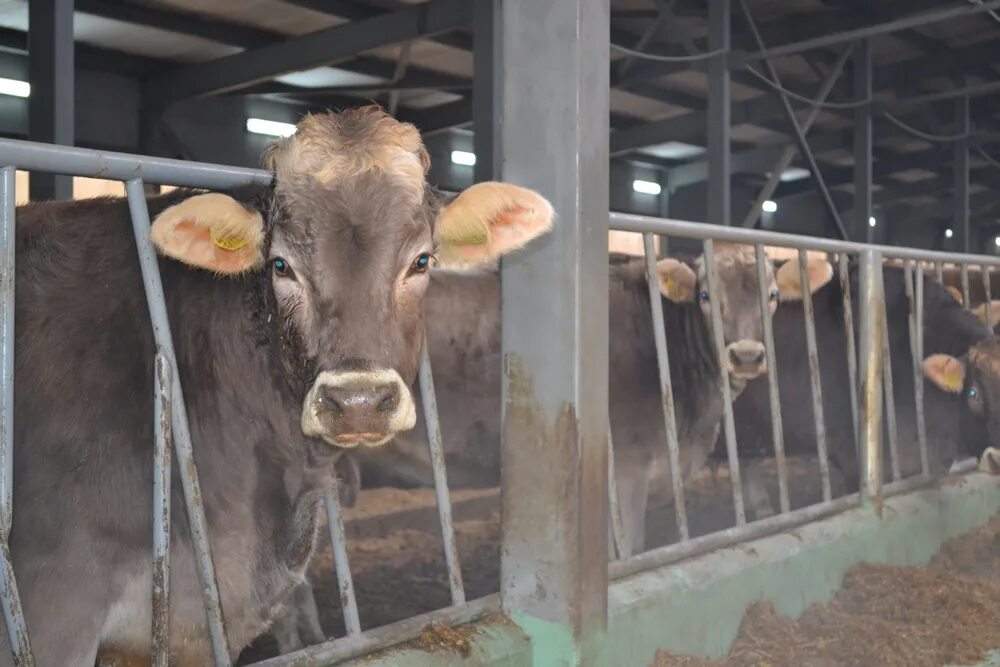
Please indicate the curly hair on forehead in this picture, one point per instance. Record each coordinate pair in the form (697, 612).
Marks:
(329, 147)
(729, 255)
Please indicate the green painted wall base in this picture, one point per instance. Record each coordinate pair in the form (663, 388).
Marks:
(695, 607)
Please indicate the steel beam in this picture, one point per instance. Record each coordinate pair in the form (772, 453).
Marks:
(863, 168)
(487, 108)
(963, 240)
(315, 49)
(52, 103)
(718, 117)
(555, 328)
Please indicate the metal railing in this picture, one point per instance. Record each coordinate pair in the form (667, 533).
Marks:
(870, 376)
(171, 424)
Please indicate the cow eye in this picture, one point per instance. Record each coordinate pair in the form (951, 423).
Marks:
(973, 392)
(422, 263)
(774, 295)
(280, 267)
(704, 297)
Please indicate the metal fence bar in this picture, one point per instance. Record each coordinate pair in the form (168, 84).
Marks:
(436, 448)
(182, 435)
(916, 322)
(732, 453)
(939, 272)
(627, 222)
(13, 614)
(816, 385)
(849, 344)
(73, 161)
(161, 511)
(987, 297)
(614, 501)
(772, 378)
(965, 284)
(889, 394)
(925, 465)
(338, 544)
(871, 373)
(666, 388)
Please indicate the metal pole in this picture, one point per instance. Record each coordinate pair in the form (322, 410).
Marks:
(487, 115)
(871, 373)
(781, 164)
(961, 191)
(815, 381)
(614, 501)
(161, 510)
(798, 133)
(772, 378)
(718, 116)
(966, 295)
(51, 74)
(925, 465)
(179, 424)
(987, 296)
(890, 397)
(863, 170)
(554, 553)
(849, 344)
(338, 543)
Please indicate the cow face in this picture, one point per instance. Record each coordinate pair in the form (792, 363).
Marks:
(975, 377)
(738, 299)
(343, 248)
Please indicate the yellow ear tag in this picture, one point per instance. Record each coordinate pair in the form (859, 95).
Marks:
(953, 375)
(229, 242)
(473, 236)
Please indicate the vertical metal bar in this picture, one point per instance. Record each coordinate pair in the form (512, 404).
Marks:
(961, 190)
(925, 465)
(8, 239)
(719, 113)
(798, 133)
(554, 562)
(814, 376)
(666, 387)
(890, 398)
(849, 344)
(486, 88)
(772, 377)
(161, 511)
(338, 543)
(179, 423)
(863, 173)
(870, 340)
(965, 285)
(732, 452)
(429, 402)
(916, 323)
(10, 599)
(987, 296)
(614, 501)
(51, 73)
(939, 272)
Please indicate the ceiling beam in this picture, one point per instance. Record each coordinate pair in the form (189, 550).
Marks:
(324, 47)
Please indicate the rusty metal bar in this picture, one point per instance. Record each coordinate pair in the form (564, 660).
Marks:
(614, 501)
(732, 453)
(181, 432)
(965, 285)
(939, 272)
(772, 377)
(338, 543)
(814, 376)
(434, 444)
(666, 388)
(849, 343)
(925, 465)
(162, 445)
(916, 322)
(987, 296)
(872, 323)
(890, 397)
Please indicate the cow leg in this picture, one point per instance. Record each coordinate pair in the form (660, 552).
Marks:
(633, 487)
(305, 602)
(285, 630)
(755, 492)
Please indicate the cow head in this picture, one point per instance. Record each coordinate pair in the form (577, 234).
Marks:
(341, 248)
(739, 302)
(975, 377)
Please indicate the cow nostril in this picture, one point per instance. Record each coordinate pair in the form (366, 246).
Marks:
(759, 358)
(388, 402)
(329, 400)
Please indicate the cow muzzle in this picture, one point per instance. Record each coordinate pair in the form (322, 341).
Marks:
(746, 359)
(354, 408)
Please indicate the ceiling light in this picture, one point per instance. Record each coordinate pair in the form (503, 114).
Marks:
(872, 222)
(14, 87)
(769, 206)
(271, 128)
(794, 174)
(463, 157)
(948, 233)
(646, 187)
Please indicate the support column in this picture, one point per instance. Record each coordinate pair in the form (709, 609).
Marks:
(719, 108)
(555, 329)
(486, 83)
(863, 172)
(50, 72)
(963, 234)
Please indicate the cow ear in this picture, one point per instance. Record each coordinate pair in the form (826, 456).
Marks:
(980, 312)
(955, 293)
(789, 280)
(488, 220)
(945, 371)
(211, 231)
(677, 281)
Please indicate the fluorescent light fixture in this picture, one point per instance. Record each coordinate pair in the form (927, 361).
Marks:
(872, 222)
(794, 174)
(646, 187)
(996, 241)
(14, 87)
(769, 206)
(271, 128)
(948, 233)
(673, 150)
(463, 157)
